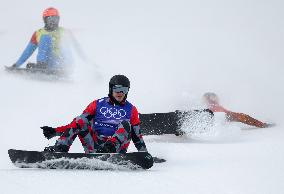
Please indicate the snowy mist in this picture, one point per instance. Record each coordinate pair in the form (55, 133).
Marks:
(172, 52)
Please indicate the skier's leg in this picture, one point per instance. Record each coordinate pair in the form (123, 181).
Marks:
(121, 138)
(44, 51)
(89, 140)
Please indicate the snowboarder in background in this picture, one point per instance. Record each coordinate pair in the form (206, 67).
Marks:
(212, 102)
(52, 53)
(107, 125)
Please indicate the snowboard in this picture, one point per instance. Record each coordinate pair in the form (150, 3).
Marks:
(95, 161)
(31, 70)
(172, 122)
(38, 73)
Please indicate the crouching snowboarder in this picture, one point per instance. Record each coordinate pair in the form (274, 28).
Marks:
(53, 43)
(107, 125)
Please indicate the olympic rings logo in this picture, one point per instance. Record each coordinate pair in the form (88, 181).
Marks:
(113, 113)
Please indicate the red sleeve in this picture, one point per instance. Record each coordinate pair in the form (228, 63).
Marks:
(61, 129)
(91, 109)
(33, 39)
(134, 118)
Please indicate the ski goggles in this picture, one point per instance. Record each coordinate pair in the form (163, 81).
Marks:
(120, 88)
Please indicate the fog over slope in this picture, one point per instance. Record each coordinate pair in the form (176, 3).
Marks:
(172, 52)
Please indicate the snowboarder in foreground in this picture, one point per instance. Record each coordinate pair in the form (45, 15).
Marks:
(106, 126)
(52, 53)
(212, 102)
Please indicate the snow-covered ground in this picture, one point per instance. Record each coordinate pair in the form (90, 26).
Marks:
(173, 52)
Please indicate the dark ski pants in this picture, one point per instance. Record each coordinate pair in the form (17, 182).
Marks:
(92, 142)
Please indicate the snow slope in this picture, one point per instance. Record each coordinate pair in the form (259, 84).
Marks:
(173, 52)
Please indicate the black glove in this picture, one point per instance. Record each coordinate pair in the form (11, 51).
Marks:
(107, 147)
(14, 66)
(267, 125)
(48, 132)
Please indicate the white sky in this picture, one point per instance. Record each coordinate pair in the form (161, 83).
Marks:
(173, 52)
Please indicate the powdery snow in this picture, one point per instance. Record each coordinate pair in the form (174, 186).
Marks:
(173, 52)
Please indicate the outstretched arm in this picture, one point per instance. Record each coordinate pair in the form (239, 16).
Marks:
(246, 119)
(85, 117)
(31, 47)
(79, 121)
